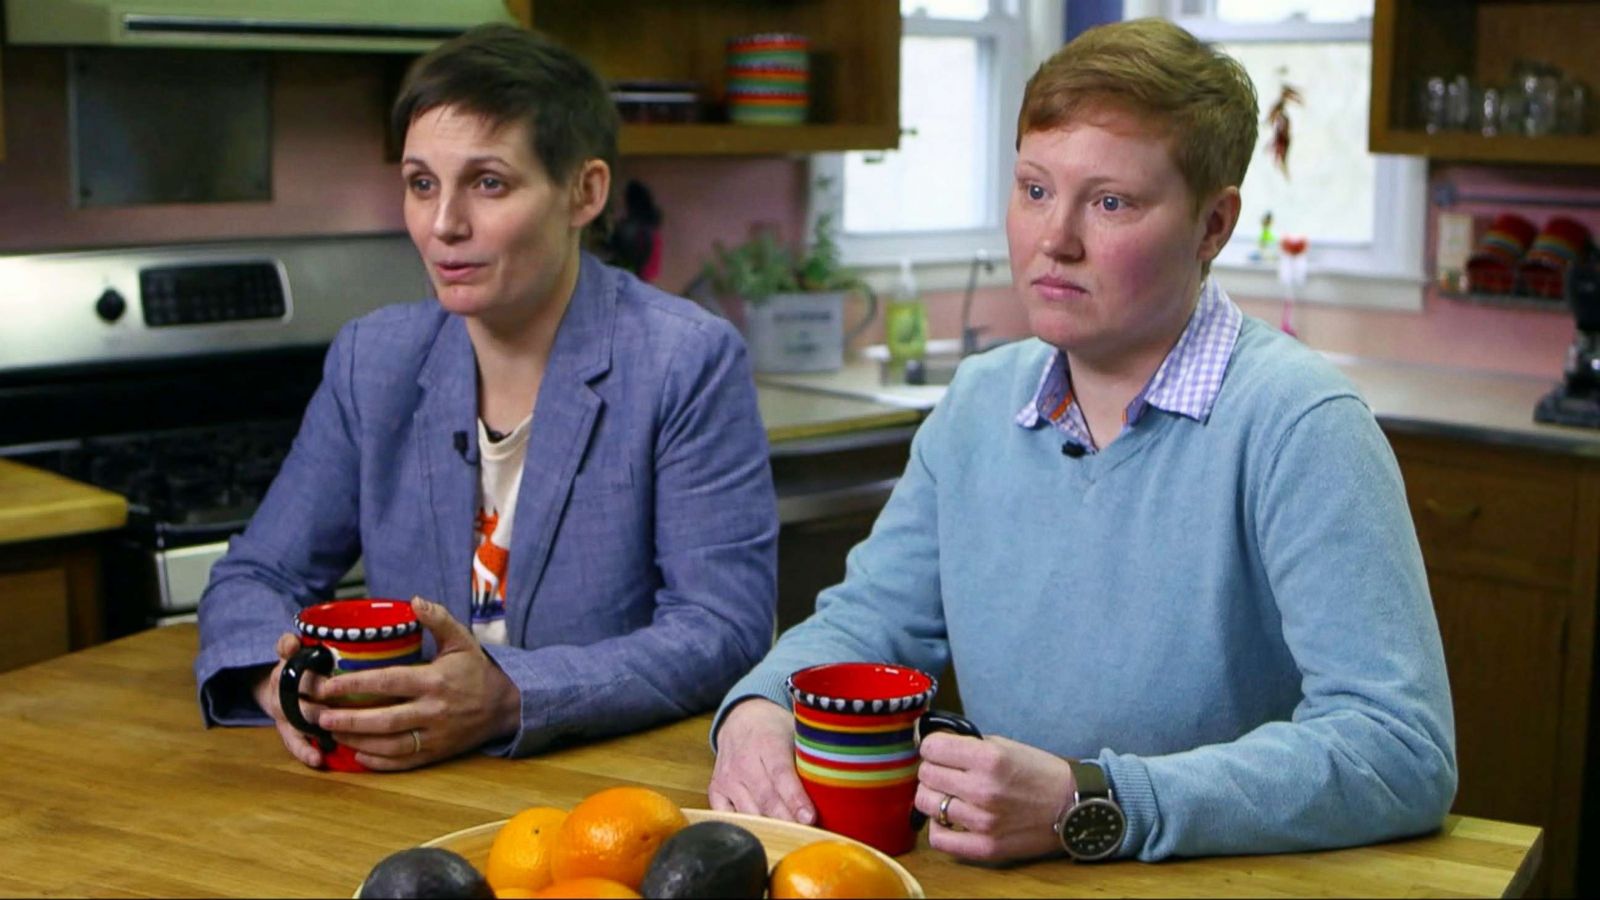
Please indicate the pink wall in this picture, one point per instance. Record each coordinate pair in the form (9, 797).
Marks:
(704, 201)
(329, 172)
(1456, 332)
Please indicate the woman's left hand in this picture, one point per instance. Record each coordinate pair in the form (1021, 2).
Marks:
(450, 705)
(1005, 797)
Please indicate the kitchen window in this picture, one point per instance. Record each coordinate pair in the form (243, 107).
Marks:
(1364, 213)
(940, 198)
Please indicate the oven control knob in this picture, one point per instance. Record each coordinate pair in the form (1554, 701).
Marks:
(110, 306)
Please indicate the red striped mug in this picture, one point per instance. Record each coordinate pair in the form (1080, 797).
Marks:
(347, 636)
(857, 726)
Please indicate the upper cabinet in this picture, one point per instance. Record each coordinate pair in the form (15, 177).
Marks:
(854, 66)
(1414, 41)
(2, 113)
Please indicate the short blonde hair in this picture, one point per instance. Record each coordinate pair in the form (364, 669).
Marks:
(1202, 98)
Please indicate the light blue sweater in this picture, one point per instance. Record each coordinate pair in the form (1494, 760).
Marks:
(1231, 616)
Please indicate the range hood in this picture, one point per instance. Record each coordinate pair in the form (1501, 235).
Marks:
(381, 26)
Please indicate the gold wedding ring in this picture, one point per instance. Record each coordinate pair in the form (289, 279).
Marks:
(944, 811)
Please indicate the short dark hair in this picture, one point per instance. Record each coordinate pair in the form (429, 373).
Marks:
(507, 75)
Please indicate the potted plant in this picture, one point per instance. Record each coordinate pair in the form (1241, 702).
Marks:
(793, 304)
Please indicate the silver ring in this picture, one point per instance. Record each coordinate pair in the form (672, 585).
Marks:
(944, 811)
(416, 739)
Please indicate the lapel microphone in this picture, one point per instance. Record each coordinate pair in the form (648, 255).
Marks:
(464, 447)
(1073, 450)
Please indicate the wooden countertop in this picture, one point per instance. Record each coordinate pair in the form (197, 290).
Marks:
(115, 789)
(35, 504)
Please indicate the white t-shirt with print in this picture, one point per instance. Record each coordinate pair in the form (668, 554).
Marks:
(499, 480)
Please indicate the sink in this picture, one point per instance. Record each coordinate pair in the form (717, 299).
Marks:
(936, 368)
(931, 370)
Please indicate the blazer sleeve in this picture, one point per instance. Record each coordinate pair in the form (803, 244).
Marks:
(1369, 753)
(716, 529)
(302, 539)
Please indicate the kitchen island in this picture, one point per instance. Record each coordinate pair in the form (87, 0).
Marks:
(115, 789)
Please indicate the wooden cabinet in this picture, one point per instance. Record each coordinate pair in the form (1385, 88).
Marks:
(50, 563)
(1511, 539)
(49, 600)
(1413, 40)
(855, 65)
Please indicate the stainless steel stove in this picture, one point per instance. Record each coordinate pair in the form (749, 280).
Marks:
(177, 376)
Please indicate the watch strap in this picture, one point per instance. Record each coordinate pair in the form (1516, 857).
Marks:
(1090, 780)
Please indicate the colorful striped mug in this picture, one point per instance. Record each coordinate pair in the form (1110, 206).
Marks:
(856, 730)
(347, 636)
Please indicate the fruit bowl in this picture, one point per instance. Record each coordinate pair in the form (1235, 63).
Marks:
(776, 836)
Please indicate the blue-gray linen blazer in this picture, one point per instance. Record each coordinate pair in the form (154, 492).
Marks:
(642, 578)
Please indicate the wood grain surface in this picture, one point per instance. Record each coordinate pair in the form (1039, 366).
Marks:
(36, 504)
(114, 789)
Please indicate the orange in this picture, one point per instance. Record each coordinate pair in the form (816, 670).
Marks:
(834, 869)
(514, 893)
(587, 887)
(520, 857)
(613, 833)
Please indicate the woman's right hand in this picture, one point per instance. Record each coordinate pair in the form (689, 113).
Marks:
(265, 692)
(755, 772)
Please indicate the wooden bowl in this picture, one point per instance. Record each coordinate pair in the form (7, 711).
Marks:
(776, 836)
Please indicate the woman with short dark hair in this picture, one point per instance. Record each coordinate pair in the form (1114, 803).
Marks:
(567, 461)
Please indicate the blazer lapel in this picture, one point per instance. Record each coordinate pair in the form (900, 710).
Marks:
(448, 417)
(563, 419)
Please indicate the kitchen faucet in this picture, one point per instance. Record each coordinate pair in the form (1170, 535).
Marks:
(916, 371)
(969, 334)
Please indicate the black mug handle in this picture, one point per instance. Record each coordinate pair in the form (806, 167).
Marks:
(940, 720)
(316, 658)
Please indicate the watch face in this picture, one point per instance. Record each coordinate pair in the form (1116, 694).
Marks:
(1093, 829)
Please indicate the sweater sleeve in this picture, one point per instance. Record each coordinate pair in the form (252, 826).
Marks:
(1369, 753)
(888, 607)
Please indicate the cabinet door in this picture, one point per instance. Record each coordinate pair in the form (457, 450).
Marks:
(1505, 648)
(1492, 514)
(35, 609)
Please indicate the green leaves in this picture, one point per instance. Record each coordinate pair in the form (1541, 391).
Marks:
(762, 266)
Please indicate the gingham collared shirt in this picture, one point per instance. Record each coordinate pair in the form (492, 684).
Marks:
(1186, 383)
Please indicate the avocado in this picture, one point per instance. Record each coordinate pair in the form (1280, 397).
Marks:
(425, 872)
(708, 859)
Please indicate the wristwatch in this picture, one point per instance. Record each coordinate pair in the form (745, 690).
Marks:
(1092, 825)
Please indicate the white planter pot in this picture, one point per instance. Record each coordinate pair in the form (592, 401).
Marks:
(796, 332)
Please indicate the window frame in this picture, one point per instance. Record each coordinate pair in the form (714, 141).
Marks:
(1386, 273)
(942, 257)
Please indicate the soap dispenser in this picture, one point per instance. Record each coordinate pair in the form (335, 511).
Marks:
(905, 322)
